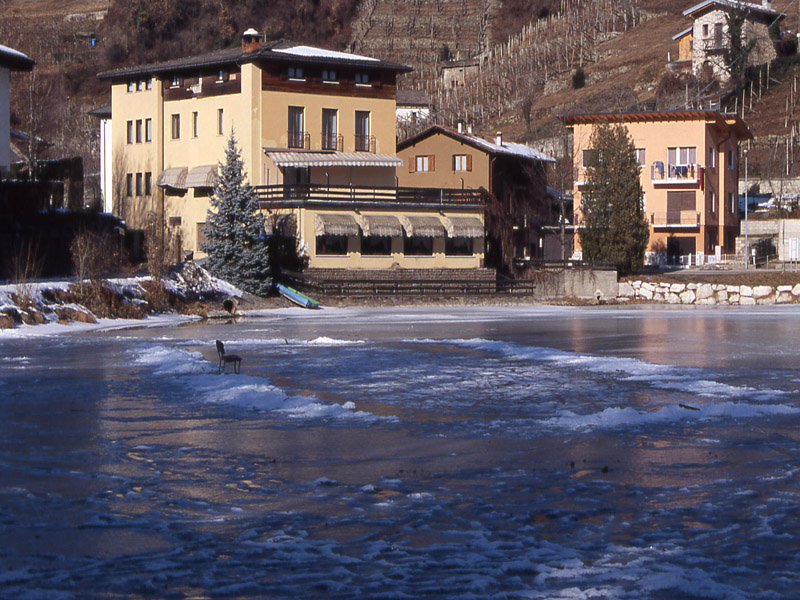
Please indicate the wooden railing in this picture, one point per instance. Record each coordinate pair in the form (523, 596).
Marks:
(300, 195)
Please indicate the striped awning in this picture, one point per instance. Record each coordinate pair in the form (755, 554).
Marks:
(202, 176)
(281, 225)
(382, 225)
(470, 227)
(332, 159)
(335, 225)
(174, 177)
(423, 226)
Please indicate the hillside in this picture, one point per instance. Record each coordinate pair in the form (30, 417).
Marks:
(531, 49)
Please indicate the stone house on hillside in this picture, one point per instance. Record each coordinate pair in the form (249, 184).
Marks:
(702, 47)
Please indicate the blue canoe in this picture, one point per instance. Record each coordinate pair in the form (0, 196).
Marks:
(297, 297)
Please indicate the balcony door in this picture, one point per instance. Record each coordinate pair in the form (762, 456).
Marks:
(296, 127)
(295, 181)
(330, 129)
(362, 131)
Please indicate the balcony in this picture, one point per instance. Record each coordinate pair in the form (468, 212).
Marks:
(332, 141)
(365, 143)
(677, 219)
(689, 174)
(299, 139)
(308, 195)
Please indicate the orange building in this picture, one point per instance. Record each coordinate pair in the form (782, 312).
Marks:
(689, 164)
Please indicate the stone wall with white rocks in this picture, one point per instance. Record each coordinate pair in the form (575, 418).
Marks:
(708, 293)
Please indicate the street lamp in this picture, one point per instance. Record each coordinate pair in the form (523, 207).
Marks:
(746, 206)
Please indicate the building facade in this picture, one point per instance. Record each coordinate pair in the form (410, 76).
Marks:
(705, 44)
(10, 60)
(690, 164)
(316, 130)
(513, 175)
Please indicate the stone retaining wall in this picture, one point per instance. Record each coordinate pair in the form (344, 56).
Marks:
(708, 293)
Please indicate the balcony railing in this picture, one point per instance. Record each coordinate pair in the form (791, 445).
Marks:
(676, 218)
(274, 196)
(332, 141)
(365, 143)
(299, 139)
(666, 174)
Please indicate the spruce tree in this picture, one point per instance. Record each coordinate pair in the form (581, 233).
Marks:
(615, 229)
(237, 246)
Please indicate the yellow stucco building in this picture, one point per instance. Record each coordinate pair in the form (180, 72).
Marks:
(689, 163)
(316, 129)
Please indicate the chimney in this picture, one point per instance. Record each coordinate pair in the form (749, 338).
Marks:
(469, 129)
(460, 127)
(251, 41)
(499, 138)
(766, 3)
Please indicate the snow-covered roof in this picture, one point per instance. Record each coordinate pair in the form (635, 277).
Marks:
(313, 52)
(767, 11)
(686, 31)
(510, 148)
(14, 59)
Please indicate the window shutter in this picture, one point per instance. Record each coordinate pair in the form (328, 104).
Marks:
(454, 161)
(469, 162)
(412, 164)
(432, 162)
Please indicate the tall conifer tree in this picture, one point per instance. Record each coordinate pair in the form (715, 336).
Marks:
(237, 246)
(615, 229)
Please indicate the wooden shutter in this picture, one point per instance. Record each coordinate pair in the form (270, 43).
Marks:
(469, 162)
(432, 163)
(455, 156)
(412, 164)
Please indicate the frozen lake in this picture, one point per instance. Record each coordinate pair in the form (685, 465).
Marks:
(527, 452)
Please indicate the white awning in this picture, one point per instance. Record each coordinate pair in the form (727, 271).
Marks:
(174, 177)
(470, 227)
(423, 226)
(332, 159)
(335, 225)
(202, 176)
(382, 225)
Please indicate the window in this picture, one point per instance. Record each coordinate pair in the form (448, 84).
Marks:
(423, 164)
(129, 134)
(129, 184)
(363, 140)
(329, 76)
(678, 202)
(296, 73)
(641, 158)
(362, 79)
(329, 129)
(131, 86)
(711, 158)
(148, 130)
(140, 85)
(587, 158)
(462, 162)
(705, 29)
(458, 246)
(138, 131)
(376, 245)
(221, 76)
(220, 122)
(176, 127)
(416, 245)
(148, 184)
(681, 161)
(176, 80)
(139, 184)
(731, 160)
(712, 198)
(195, 124)
(201, 235)
(732, 202)
(148, 83)
(332, 244)
(296, 124)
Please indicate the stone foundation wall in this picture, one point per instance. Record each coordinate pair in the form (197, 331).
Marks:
(708, 293)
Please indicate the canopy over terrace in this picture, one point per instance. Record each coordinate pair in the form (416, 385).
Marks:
(332, 159)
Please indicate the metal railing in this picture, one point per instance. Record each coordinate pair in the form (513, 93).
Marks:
(332, 141)
(682, 218)
(300, 194)
(299, 139)
(667, 173)
(365, 143)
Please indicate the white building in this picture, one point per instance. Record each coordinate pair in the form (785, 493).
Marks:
(10, 60)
